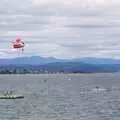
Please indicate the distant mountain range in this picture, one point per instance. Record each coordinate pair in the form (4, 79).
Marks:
(53, 64)
(37, 60)
(33, 60)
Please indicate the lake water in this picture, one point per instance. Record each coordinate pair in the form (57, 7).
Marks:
(61, 97)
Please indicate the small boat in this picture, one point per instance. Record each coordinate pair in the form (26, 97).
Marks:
(11, 97)
(98, 89)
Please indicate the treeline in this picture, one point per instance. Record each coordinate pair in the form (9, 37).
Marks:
(33, 71)
(53, 69)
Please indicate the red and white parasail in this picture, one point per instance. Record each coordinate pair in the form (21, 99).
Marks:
(18, 44)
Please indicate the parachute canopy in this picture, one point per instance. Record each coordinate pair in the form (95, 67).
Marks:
(18, 43)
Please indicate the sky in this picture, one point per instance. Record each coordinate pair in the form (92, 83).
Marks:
(61, 28)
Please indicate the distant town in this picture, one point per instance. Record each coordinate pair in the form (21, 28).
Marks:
(22, 70)
(52, 70)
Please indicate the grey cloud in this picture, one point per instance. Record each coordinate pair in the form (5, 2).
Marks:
(23, 23)
(90, 26)
(27, 8)
(48, 29)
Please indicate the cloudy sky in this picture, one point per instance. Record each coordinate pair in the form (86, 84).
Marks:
(61, 28)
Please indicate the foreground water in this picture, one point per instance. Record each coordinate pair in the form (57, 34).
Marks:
(61, 97)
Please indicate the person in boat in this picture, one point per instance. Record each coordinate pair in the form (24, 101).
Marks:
(97, 87)
(8, 93)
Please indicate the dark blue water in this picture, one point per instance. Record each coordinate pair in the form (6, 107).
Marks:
(61, 97)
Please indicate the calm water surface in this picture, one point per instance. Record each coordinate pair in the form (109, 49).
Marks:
(61, 97)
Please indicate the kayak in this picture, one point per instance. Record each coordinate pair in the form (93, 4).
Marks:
(11, 96)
